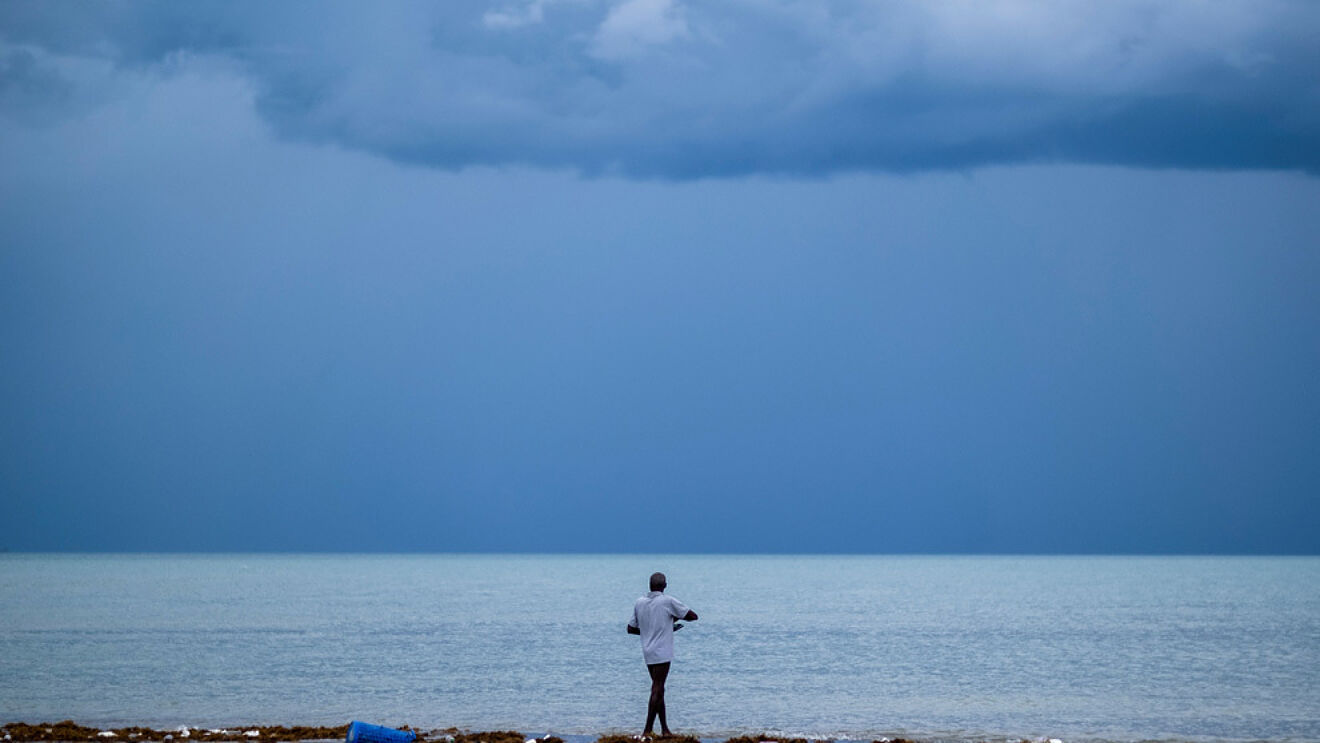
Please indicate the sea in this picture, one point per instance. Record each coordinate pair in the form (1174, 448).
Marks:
(937, 648)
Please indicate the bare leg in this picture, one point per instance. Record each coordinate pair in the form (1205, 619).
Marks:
(656, 706)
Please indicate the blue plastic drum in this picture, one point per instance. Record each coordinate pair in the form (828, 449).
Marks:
(361, 732)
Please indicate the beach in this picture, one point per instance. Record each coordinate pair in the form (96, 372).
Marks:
(68, 730)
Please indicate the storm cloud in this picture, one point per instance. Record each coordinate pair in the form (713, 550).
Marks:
(673, 89)
(329, 277)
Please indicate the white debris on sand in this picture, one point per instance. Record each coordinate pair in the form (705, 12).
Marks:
(107, 734)
(253, 733)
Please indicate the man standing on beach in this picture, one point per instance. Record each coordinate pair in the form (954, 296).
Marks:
(653, 619)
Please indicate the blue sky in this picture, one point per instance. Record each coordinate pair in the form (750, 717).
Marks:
(660, 276)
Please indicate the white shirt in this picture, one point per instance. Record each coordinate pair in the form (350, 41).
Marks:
(654, 615)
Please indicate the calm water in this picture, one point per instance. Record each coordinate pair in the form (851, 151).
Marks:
(1120, 649)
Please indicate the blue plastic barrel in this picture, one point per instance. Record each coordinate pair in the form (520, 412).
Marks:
(361, 732)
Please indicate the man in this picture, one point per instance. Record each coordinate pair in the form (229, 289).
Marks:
(653, 619)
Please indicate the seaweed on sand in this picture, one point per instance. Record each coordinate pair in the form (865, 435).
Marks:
(765, 739)
(302, 732)
(495, 736)
(653, 738)
(62, 730)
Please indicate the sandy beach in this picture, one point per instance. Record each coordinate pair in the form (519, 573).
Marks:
(68, 730)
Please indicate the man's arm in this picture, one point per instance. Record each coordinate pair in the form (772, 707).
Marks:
(676, 606)
(634, 626)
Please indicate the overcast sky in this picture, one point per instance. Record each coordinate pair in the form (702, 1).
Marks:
(659, 276)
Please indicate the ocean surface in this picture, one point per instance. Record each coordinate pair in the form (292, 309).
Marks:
(949, 648)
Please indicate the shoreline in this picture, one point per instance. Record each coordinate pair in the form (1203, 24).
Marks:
(68, 731)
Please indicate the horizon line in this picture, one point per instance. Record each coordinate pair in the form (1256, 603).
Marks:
(569, 553)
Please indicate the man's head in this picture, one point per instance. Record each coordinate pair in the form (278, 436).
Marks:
(658, 581)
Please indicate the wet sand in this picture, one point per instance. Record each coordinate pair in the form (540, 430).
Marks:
(68, 730)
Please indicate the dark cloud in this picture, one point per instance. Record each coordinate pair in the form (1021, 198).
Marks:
(218, 339)
(665, 88)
